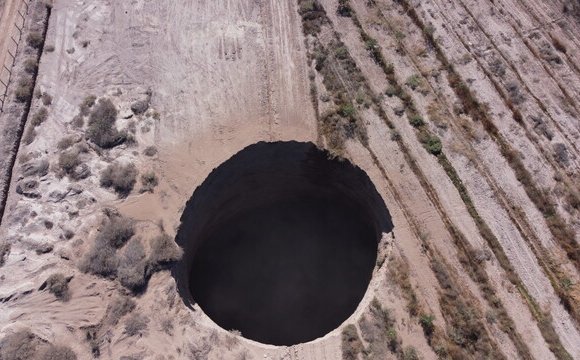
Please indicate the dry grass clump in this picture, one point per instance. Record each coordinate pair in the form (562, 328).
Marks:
(378, 330)
(57, 284)
(102, 129)
(121, 178)
(66, 142)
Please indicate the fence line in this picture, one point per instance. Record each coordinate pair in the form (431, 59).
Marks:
(11, 45)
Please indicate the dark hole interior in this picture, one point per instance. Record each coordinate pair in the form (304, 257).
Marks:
(280, 242)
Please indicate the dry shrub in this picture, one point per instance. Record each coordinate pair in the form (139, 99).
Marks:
(351, 344)
(35, 40)
(102, 129)
(136, 324)
(119, 307)
(39, 117)
(29, 135)
(132, 266)
(149, 181)
(30, 65)
(57, 284)
(68, 160)
(66, 142)
(56, 352)
(21, 345)
(24, 90)
(163, 251)
(102, 257)
(4, 251)
(120, 177)
(101, 261)
(87, 104)
(150, 151)
(46, 99)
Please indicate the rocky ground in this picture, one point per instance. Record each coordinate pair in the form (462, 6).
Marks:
(463, 113)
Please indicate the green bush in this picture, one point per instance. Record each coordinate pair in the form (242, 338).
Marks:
(121, 178)
(426, 322)
(434, 145)
(413, 81)
(416, 120)
(346, 110)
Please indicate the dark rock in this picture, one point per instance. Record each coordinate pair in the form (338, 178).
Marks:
(139, 107)
(80, 172)
(28, 188)
(35, 167)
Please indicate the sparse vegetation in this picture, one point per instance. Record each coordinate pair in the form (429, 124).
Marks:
(120, 177)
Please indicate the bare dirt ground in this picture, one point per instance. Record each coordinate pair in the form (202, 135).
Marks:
(482, 256)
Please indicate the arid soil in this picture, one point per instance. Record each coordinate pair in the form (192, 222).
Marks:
(463, 113)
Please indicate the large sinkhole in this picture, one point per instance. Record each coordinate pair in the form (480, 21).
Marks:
(280, 242)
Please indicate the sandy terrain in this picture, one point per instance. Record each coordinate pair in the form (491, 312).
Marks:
(220, 75)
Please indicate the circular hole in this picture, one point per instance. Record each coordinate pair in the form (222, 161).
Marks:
(280, 242)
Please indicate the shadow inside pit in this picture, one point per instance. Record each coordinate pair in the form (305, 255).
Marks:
(280, 242)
